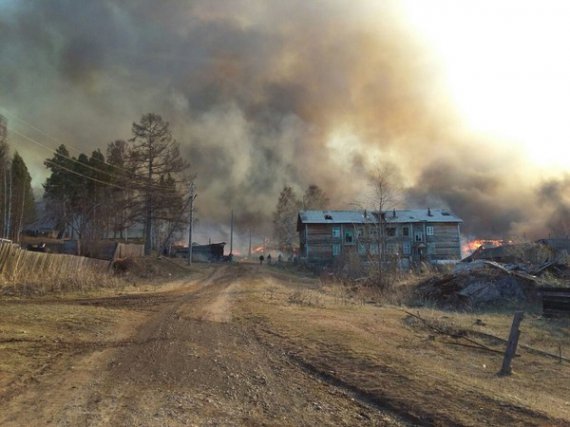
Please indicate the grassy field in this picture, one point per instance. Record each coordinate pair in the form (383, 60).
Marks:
(54, 326)
(433, 367)
(383, 352)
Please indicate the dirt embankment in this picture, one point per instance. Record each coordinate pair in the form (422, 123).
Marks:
(250, 345)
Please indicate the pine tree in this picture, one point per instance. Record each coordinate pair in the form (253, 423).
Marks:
(60, 188)
(4, 179)
(315, 198)
(23, 209)
(154, 154)
(285, 220)
(121, 194)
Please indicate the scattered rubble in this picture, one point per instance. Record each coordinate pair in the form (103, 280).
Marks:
(509, 274)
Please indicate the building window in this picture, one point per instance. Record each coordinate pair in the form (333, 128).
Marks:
(406, 248)
(336, 232)
(349, 236)
(406, 231)
(429, 230)
(361, 249)
(336, 249)
(359, 233)
(391, 231)
(419, 236)
(373, 248)
(392, 248)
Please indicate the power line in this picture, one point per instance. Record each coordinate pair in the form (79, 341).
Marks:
(14, 117)
(85, 165)
(18, 119)
(75, 161)
(88, 177)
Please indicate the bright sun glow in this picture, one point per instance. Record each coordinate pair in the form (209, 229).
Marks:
(507, 66)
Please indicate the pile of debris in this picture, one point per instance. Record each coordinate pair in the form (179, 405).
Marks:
(509, 274)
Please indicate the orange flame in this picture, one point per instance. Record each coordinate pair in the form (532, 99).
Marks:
(472, 245)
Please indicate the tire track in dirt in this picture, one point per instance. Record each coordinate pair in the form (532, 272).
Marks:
(338, 369)
(193, 359)
(200, 365)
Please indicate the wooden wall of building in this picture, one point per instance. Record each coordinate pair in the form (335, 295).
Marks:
(317, 241)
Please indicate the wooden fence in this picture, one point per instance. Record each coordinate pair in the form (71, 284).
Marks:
(109, 250)
(555, 301)
(128, 250)
(22, 267)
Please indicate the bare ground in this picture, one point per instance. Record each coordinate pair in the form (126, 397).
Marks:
(243, 345)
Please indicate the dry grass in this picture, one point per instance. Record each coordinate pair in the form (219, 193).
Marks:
(376, 349)
(39, 333)
(36, 335)
(60, 278)
(357, 339)
(88, 281)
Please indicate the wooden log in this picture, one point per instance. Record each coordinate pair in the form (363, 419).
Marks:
(511, 345)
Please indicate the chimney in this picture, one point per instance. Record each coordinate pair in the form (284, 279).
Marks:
(429, 212)
(393, 213)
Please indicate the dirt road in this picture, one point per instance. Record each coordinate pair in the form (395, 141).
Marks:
(187, 360)
(249, 345)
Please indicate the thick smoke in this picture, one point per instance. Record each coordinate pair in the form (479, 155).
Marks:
(554, 195)
(261, 95)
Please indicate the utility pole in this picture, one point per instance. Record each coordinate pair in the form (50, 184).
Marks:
(5, 207)
(21, 223)
(232, 234)
(191, 222)
(9, 207)
(249, 250)
(4, 166)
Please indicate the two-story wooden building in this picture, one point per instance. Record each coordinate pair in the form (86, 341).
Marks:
(409, 236)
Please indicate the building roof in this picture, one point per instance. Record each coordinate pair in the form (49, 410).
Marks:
(366, 217)
(337, 217)
(422, 215)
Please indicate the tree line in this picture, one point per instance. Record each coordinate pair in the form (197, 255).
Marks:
(17, 206)
(285, 214)
(141, 180)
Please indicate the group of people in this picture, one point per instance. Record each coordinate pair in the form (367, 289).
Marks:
(262, 258)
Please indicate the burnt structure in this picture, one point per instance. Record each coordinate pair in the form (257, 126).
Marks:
(213, 252)
(405, 236)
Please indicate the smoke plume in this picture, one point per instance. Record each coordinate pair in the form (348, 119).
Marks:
(260, 95)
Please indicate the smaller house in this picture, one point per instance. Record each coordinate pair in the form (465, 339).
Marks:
(213, 252)
(408, 236)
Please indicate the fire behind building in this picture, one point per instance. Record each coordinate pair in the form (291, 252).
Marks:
(408, 236)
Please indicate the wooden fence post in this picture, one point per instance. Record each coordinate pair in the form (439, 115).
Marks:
(511, 345)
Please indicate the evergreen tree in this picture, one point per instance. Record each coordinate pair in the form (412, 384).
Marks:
(61, 189)
(154, 155)
(315, 198)
(22, 204)
(285, 220)
(4, 179)
(121, 196)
